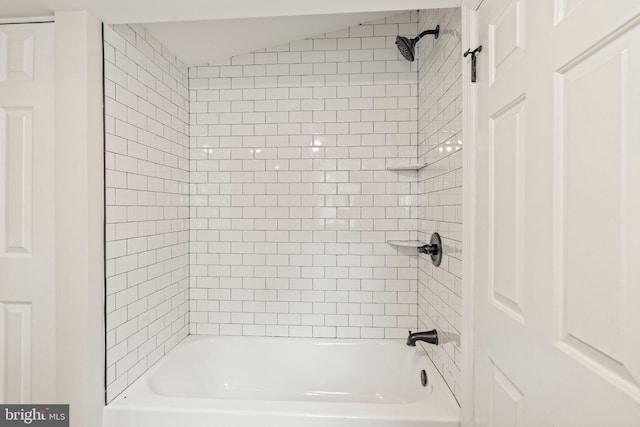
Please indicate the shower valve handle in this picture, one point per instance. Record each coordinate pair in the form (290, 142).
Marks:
(429, 249)
(433, 249)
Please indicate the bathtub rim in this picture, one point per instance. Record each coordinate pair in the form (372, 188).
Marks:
(439, 406)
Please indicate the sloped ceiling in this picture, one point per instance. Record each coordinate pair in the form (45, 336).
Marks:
(202, 42)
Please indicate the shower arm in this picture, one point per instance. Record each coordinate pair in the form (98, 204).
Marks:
(435, 32)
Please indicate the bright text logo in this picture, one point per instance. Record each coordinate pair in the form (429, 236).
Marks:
(34, 415)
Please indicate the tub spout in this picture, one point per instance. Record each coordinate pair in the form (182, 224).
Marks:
(430, 337)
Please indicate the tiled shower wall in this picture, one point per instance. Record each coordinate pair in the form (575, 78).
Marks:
(440, 186)
(147, 202)
(291, 202)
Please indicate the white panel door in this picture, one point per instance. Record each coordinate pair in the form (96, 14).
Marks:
(557, 234)
(27, 286)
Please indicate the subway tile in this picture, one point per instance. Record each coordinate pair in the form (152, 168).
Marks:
(385, 30)
(301, 45)
(313, 56)
(325, 44)
(289, 57)
(144, 103)
(289, 204)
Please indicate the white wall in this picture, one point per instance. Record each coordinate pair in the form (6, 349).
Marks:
(291, 202)
(440, 187)
(147, 198)
(79, 254)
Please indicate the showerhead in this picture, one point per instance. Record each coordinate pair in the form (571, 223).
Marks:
(407, 46)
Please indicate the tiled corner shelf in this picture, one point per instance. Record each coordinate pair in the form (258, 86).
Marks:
(407, 167)
(406, 243)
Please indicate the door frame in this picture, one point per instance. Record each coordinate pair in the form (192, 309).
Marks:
(469, 114)
(79, 222)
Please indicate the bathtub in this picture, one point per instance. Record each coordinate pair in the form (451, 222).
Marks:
(286, 382)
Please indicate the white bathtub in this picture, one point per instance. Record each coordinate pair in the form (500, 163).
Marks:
(283, 382)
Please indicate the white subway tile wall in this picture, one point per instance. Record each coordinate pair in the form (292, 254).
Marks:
(259, 186)
(440, 186)
(291, 202)
(147, 202)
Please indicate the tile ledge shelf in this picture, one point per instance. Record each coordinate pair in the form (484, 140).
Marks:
(406, 243)
(407, 167)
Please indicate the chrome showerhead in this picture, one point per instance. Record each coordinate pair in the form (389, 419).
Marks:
(407, 46)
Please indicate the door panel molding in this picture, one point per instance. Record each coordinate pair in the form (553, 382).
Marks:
(592, 308)
(562, 8)
(507, 36)
(506, 406)
(507, 136)
(15, 361)
(16, 193)
(16, 55)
